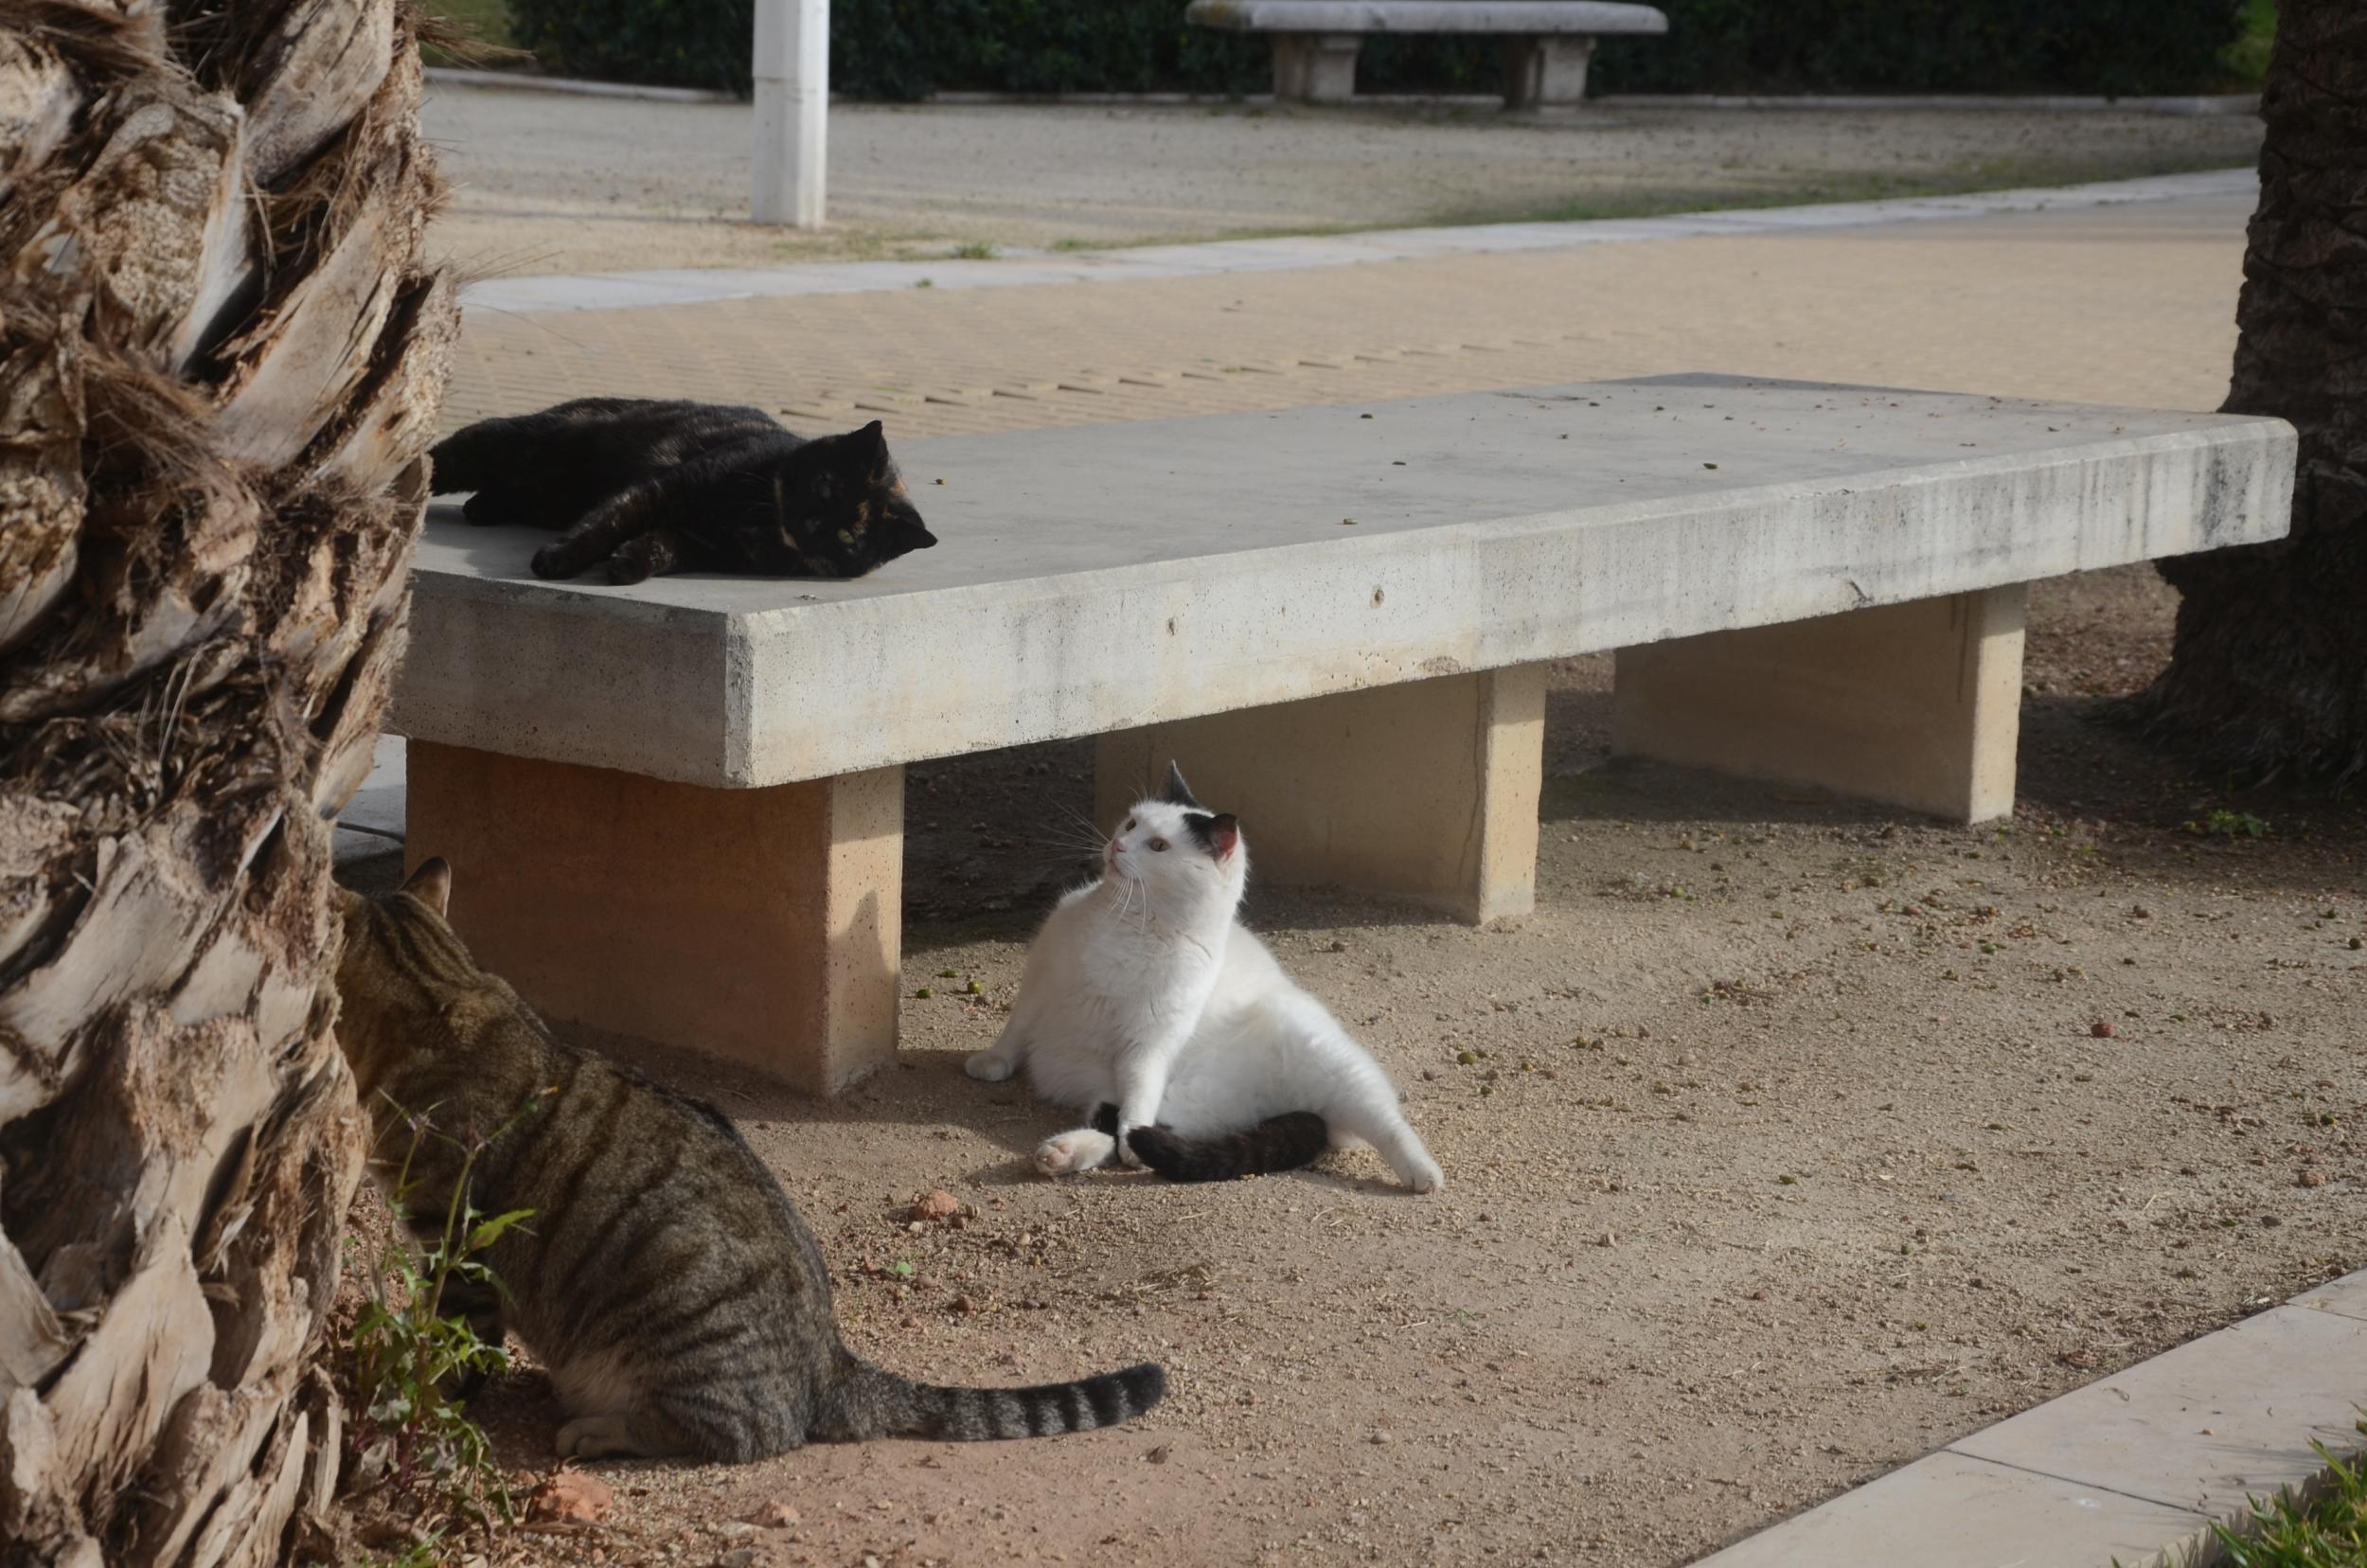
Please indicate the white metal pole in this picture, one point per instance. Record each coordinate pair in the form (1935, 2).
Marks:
(793, 79)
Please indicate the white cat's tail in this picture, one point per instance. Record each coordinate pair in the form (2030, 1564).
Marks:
(1278, 1143)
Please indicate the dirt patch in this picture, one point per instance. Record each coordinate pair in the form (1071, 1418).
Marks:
(545, 183)
(1788, 1150)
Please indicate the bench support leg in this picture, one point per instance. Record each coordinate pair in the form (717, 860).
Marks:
(1912, 704)
(1426, 791)
(762, 925)
(1315, 67)
(1546, 75)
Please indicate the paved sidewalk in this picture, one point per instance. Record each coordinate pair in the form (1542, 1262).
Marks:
(695, 285)
(2130, 305)
(547, 182)
(2134, 1468)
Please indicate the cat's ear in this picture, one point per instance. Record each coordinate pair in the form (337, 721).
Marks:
(908, 531)
(867, 451)
(1175, 792)
(432, 884)
(1219, 834)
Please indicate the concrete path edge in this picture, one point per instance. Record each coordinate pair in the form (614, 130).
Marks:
(2134, 1468)
(690, 286)
(523, 81)
(2198, 103)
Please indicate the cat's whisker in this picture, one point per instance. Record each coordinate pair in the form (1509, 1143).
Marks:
(1089, 846)
(1075, 821)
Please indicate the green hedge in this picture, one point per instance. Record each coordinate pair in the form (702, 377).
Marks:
(2110, 46)
(907, 48)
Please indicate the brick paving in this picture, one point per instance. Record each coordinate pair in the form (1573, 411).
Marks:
(2124, 305)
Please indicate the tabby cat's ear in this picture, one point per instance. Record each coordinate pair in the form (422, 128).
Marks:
(432, 884)
(1175, 792)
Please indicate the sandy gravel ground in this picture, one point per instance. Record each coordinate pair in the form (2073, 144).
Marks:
(548, 183)
(1793, 1150)
(1786, 1151)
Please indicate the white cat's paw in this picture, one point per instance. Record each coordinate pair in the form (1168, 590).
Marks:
(987, 1067)
(1071, 1152)
(1427, 1177)
(1122, 1145)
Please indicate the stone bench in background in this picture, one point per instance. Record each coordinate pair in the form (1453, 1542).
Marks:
(1546, 43)
(676, 810)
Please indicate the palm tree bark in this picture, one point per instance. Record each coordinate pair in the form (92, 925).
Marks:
(2270, 667)
(220, 358)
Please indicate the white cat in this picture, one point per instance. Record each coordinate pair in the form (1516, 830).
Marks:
(1144, 992)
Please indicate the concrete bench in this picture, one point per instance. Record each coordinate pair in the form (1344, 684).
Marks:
(1546, 43)
(677, 808)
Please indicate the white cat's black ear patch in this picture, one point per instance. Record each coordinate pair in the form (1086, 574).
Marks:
(1175, 792)
(1216, 834)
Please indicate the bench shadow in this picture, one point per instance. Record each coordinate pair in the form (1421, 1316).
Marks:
(503, 552)
(920, 1089)
(2084, 771)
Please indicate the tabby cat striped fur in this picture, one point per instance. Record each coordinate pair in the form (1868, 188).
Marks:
(680, 1304)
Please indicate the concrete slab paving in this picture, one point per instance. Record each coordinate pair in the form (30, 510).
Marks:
(1952, 1512)
(2346, 1298)
(2230, 1414)
(2132, 1469)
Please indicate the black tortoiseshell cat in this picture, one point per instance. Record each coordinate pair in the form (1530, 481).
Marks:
(650, 486)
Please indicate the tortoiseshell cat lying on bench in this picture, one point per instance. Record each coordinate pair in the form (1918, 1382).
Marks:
(652, 487)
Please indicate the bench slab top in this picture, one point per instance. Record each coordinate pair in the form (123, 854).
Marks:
(1110, 576)
(1512, 17)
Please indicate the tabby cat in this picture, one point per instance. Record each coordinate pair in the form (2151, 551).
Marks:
(681, 1305)
(650, 486)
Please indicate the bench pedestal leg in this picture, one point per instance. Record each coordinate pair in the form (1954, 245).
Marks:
(762, 925)
(1912, 704)
(1315, 67)
(1426, 790)
(1546, 75)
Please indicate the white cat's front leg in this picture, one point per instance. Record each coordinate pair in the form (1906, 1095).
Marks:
(1142, 1084)
(1000, 1059)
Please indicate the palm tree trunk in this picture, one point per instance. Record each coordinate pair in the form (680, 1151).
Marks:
(2270, 667)
(220, 358)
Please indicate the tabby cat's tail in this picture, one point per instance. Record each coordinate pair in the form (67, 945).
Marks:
(873, 1403)
(1278, 1143)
